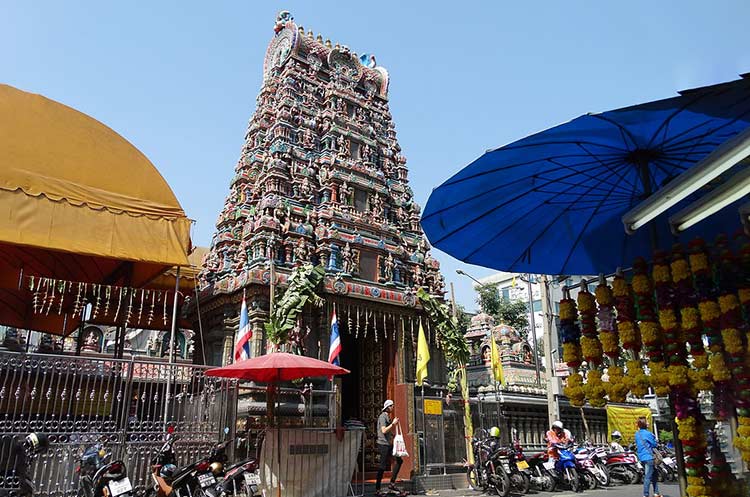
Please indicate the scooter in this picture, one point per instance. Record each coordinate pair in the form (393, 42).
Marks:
(542, 469)
(100, 478)
(588, 463)
(623, 466)
(516, 469)
(242, 478)
(565, 467)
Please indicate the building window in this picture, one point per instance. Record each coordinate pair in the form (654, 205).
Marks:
(368, 265)
(505, 293)
(360, 200)
(537, 306)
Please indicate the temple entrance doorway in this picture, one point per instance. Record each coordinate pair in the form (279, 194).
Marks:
(363, 391)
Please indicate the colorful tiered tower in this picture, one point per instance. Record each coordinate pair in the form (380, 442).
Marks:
(321, 179)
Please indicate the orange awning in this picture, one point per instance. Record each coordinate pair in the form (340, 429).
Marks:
(77, 202)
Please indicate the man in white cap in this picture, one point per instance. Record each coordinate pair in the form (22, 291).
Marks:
(386, 429)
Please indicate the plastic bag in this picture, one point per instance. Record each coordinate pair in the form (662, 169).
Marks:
(399, 445)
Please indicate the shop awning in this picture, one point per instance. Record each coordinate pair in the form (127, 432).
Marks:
(77, 202)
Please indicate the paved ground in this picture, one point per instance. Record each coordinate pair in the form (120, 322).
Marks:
(667, 490)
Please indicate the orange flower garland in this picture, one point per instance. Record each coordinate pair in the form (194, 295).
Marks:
(628, 330)
(571, 336)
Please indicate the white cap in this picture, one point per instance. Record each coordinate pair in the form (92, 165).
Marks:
(388, 403)
(557, 424)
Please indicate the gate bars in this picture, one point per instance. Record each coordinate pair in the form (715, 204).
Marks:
(81, 401)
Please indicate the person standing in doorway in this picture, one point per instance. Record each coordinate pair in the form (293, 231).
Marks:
(386, 430)
(645, 443)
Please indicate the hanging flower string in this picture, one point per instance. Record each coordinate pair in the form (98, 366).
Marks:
(630, 334)
(616, 388)
(591, 347)
(710, 312)
(692, 327)
(571, 337)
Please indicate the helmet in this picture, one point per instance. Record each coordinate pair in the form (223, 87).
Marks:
(616, 434)
(216, 468)
(167, 471)
(557, 424)
(495, 432)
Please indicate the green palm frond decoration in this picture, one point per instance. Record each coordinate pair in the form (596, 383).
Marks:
(303, 284)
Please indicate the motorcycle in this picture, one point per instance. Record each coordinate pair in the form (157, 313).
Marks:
(565, 467)
(240, 479)
(623, 466)
(484, 474)
(22, 452)
(667, 470)
(197, 479)
(515, 468)
(100, 478)
(542, 472)
(590, 461)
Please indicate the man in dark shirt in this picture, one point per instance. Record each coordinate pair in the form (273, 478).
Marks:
(386, 430)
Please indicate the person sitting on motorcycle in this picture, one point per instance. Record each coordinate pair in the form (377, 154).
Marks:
(615, 443)
(557, 435)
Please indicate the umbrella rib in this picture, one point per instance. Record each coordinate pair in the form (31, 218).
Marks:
(584, 173)
(671, 116)
(491, 190)
(623, 130)
(622, 178)
(492, 240)
(520, 164)
(580, 234)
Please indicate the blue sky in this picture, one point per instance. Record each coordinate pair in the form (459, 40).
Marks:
(179, 79)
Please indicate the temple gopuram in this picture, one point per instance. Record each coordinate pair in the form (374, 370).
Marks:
(321, 179)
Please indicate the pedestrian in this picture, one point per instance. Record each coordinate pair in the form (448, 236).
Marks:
(645, 443)
(386, 430)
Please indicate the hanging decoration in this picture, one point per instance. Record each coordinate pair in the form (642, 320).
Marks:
(629, 331)
(51, 295)
(591, 347)
(572, 355)
(615, 387)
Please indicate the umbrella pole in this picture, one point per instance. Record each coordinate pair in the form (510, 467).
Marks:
(171, 345)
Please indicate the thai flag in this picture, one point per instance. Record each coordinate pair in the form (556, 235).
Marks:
(245, 333)
(335, 348)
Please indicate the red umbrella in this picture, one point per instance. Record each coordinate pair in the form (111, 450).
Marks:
(277, 367)
(273, 368)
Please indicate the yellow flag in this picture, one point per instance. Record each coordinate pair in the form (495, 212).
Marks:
(497, 364)
(513, 283)
(423, 356)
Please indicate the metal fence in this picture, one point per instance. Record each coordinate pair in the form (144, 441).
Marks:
(124, 404)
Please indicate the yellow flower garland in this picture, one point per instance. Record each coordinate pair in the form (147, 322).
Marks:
(640, 284)
(680, 270)
(610, 342)
(571, 352)
(698, 262)
(568, 310)
(627, 332)
(574, 390)
(718, 368)
(732, 341)
(586, 302)
(678, 376)
(617, 386)
(650, 332)
(591, 348)
(659, 378)
(620, 287)
(637, 379)
(709, 310)
(668, 319)
(728, 303)
(603, 296)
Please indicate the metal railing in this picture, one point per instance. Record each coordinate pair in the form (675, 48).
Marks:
(120, 403)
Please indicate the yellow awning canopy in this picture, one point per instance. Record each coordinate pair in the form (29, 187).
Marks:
(77, 202)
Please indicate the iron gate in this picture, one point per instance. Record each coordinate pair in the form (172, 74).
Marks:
(120, 403)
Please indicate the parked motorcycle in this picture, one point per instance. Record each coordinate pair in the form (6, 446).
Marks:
(22, 451)
(589, 460)
(241, 479)
(540, 478)
(565, 467)
(516, 469)
(98, 477)
(623, 466)
(193, 480)
(485, 474)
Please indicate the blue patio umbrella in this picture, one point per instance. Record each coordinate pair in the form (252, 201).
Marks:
(552, 202)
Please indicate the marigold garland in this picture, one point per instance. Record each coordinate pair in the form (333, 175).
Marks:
(617, 386)
(574, 390)
(571, 338)
(595, 389)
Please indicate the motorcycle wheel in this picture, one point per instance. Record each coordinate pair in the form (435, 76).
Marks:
(589, 480)
(472, 476)
(633, 476)
(501, 483)
(521, 482)
(549, 483)
(602, 476)
(571, 475)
